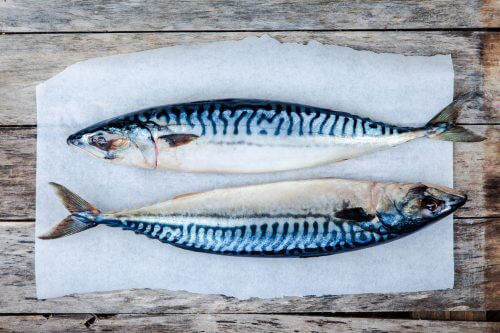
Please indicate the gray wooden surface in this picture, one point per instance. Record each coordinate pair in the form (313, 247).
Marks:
(158, 15)
(233, 323)
(42, 38)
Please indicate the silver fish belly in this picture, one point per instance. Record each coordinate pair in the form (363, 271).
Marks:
(295, 218)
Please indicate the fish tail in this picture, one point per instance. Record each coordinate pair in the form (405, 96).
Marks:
(443, 125)
(81, 217)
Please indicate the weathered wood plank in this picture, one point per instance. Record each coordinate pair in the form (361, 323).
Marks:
(17, 172)
(232, 323)
(472, 264)
(491, 65)
(156, 15)
(27, 60)
(492, 271)
(475, 173)
(491, 73)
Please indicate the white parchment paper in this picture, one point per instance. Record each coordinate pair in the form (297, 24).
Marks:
(392, 88)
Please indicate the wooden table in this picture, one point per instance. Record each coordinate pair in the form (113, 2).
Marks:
(39, 39)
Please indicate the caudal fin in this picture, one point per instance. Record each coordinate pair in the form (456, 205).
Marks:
(443, 126)
(80, 218)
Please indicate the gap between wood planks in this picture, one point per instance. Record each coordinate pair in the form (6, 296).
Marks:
(420, 315)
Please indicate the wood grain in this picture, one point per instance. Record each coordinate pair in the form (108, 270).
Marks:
(474, 170)
(17, 285)
(17, 173)
(27, 60)
(233, 323)
(490, 13)
(491, 73)
(157, 15)
(491, 65)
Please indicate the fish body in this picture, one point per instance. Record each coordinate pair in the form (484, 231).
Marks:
(286, 219)
(247, 136)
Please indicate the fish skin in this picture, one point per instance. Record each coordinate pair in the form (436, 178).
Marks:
(286, 219)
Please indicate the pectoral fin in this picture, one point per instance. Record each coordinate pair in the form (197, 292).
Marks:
(176, 140)
(357, 214)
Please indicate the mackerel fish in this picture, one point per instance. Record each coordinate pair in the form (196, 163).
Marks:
(251, 136)
(304, 218)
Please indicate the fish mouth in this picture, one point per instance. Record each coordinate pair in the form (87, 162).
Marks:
(454, 198)
(457, 200)
(74, 140)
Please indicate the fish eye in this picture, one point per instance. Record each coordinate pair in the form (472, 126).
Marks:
(99, 141)
(430, 204)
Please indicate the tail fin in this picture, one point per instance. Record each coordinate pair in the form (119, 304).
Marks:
(77, 221)
(444, 123)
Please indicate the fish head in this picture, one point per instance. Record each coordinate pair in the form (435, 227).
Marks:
(407, 207)
(118, 142)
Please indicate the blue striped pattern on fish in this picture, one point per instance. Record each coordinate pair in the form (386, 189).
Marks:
(258, 117)
(261, 236)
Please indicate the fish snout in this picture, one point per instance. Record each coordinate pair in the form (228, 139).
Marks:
(457, 200)
(74, 139)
